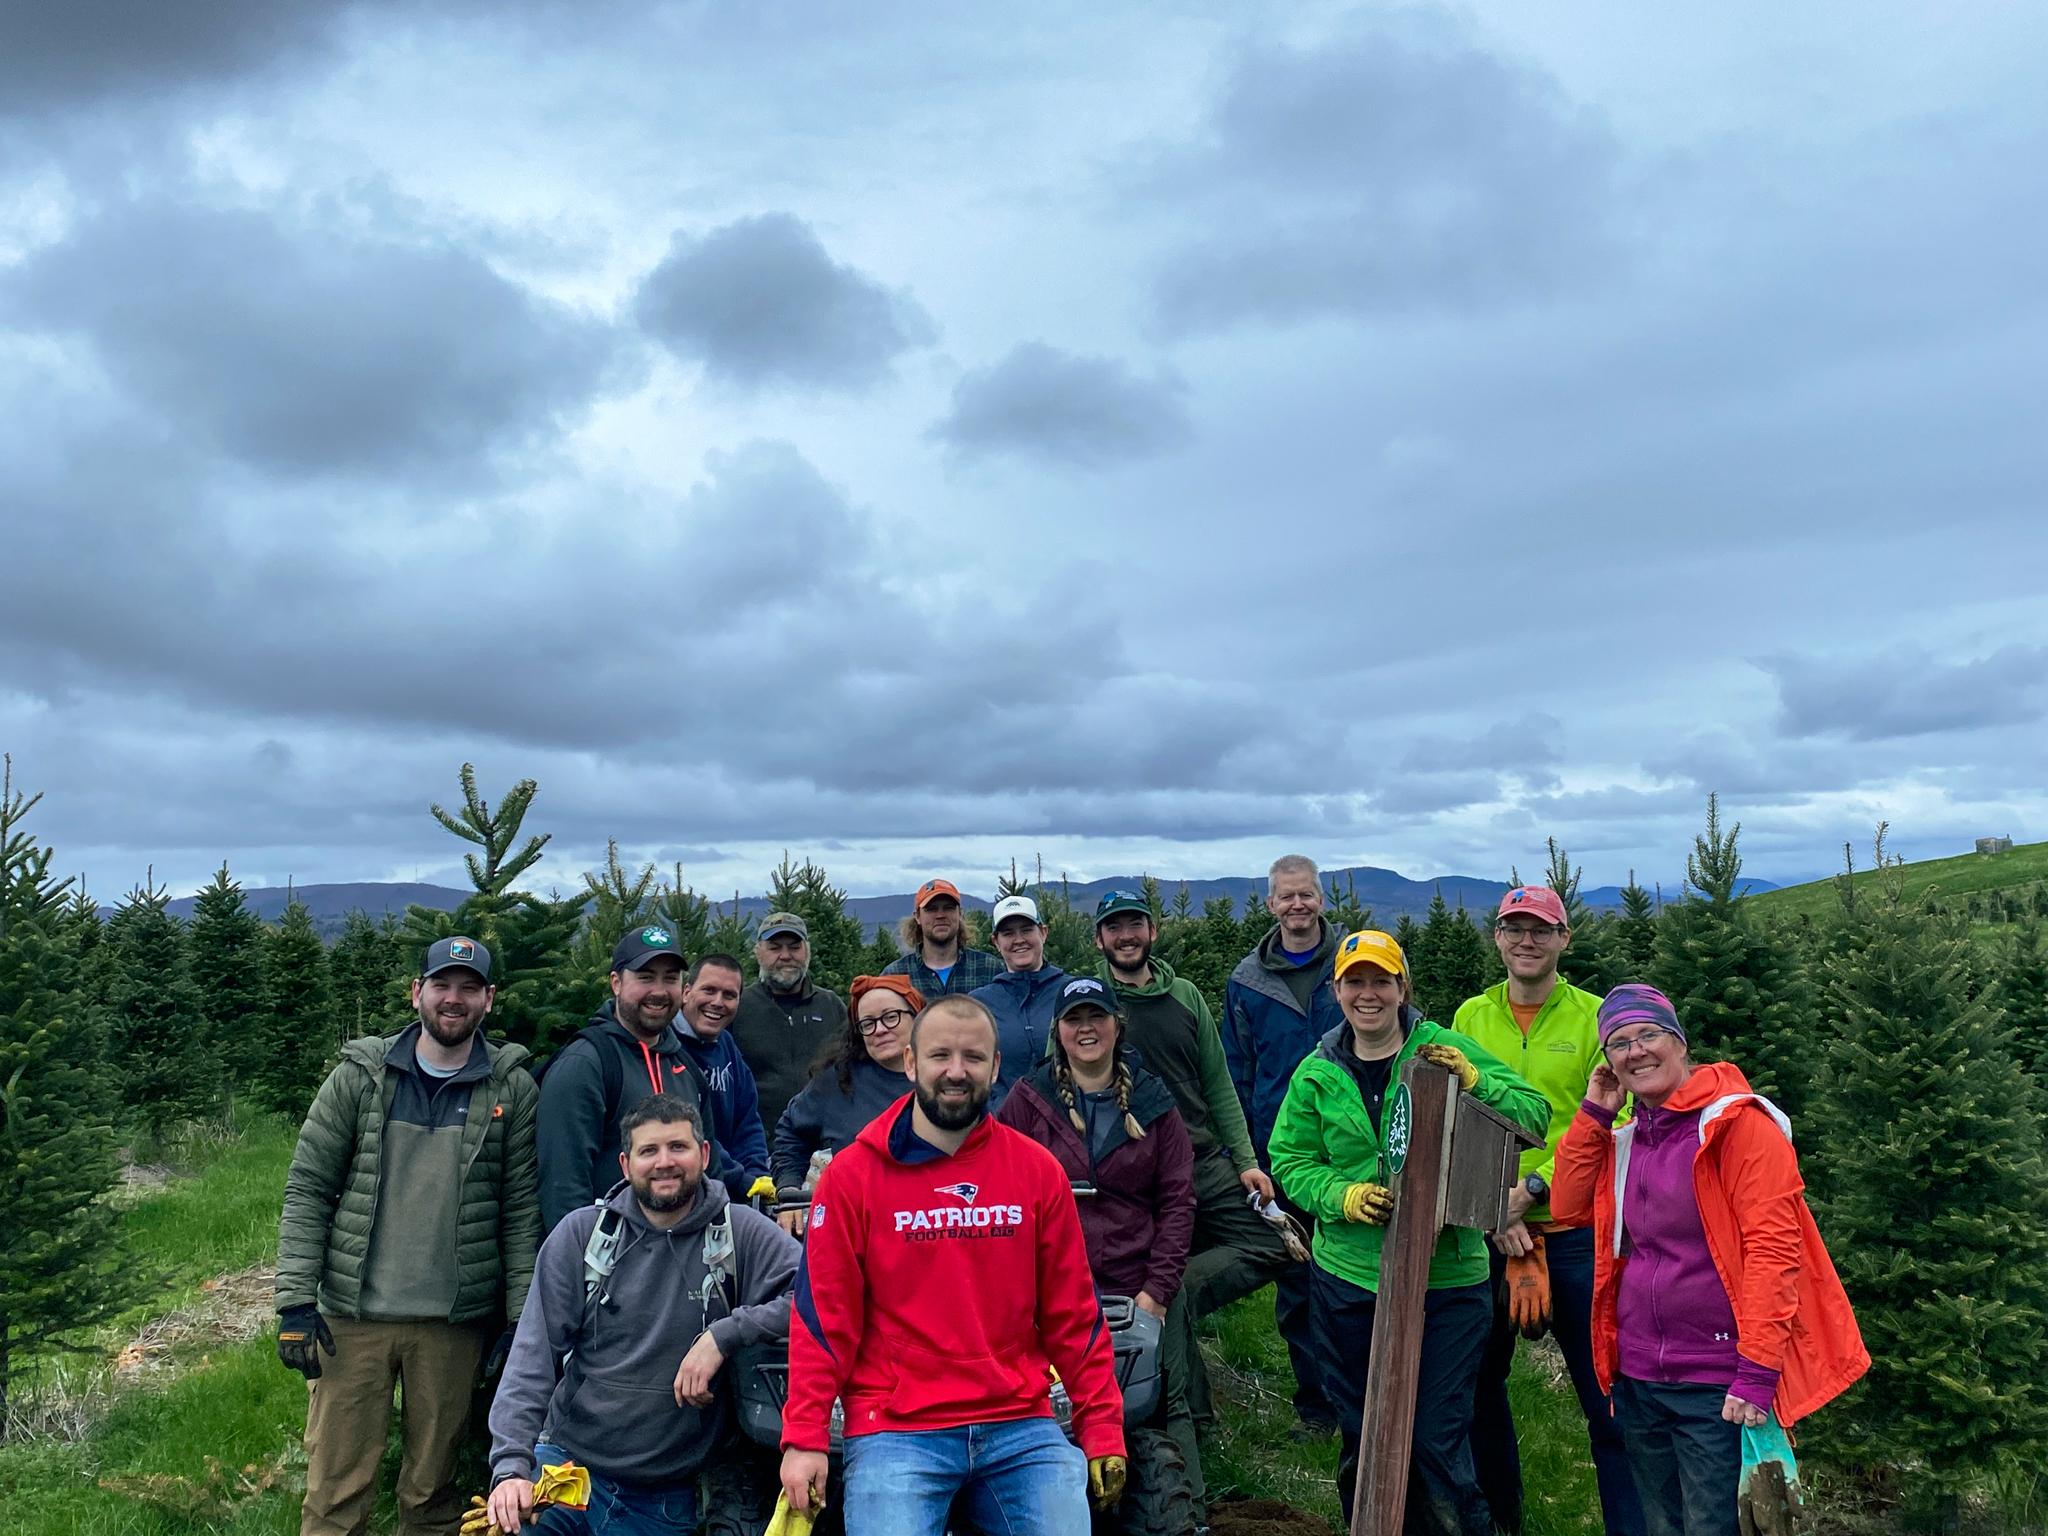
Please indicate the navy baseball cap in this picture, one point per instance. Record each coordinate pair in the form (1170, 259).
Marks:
(456, 953)
(1083, 992)
(642, 944)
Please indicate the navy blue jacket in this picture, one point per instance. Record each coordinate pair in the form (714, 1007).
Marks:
(1265, 1033)
(735, 1105)
(1022, 1002)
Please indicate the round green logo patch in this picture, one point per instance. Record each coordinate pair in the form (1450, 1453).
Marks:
(655, 936)
(1400, 1122)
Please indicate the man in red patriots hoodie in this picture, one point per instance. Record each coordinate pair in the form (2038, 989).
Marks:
(943, 1277)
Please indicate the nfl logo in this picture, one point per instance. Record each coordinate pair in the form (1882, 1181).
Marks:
(818, 1214)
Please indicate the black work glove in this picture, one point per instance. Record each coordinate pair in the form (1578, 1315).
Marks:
(299, 1330)
(494, 1362)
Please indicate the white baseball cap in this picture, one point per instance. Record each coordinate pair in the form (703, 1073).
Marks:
(1013, 906)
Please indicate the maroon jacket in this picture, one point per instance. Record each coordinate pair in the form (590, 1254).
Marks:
(1139, 1223)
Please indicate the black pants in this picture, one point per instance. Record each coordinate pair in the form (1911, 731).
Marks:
(1443, 1491)
(1235, 1252)
(1569, 1255)
(1686, 1458)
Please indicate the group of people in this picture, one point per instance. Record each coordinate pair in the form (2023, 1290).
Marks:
(985, 1146)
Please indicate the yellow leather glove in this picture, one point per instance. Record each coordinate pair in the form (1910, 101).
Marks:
(1105, 1480)
(1450, 1056)
(1369, 1203)
(567, 1485)
(764, 1185)
(476, 1520)
(787, 1521)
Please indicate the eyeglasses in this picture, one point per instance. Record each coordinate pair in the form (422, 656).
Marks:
(893, 1018)
(1537, 931)
(1621, 1045)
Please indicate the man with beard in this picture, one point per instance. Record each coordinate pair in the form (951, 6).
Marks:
(933, 957)
(1168, 1024)
(711, 997)
(785, 1026)
(628, 1051)
(944, 1276)
(1278, 1005)
(686, 1277)
(408, 1233)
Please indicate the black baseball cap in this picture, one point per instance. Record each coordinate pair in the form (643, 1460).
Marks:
(642, 944)
(1114, 902)
(456, 953)
(1083, 992)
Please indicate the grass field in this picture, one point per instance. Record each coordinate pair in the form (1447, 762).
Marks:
(1953, 879)
(207, 1441)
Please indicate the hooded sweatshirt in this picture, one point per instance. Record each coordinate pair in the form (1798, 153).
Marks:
(579, 1128)
(735, 1105)
(1168, 1023)
(597, 1377)
(1022, 1002)
(824, 1118)
(937, 1290)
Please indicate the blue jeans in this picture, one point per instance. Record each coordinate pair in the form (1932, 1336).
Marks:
(1687, 1459)
(1022, 1478)
(1569, 1257)
(620, 1509)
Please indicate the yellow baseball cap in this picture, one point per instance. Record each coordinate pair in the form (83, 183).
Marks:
(1371, 947)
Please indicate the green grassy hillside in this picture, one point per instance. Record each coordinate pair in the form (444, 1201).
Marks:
(1954, 879)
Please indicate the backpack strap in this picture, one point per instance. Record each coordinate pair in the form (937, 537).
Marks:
(721, 1265)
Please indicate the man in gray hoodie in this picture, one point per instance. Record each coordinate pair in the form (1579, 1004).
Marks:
(637, 1303)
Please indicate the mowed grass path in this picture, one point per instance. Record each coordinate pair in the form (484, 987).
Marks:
(236, 1405)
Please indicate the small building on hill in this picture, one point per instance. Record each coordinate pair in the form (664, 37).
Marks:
(1994, 845)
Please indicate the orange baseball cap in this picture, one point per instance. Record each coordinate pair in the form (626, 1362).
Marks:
(935, 888)
(1371, 947)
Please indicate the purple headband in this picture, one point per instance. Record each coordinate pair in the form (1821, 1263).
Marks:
(1635, 1003)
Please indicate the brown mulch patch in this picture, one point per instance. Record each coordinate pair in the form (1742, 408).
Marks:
(1263, 1517)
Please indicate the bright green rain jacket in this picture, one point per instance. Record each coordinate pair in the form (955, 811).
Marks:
(1324, 1142)
(1556, 1058)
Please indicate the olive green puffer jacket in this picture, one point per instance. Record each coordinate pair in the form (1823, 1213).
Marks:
(330, 1195)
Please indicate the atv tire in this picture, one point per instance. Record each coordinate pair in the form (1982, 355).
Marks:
(1159, 1498)
(738, 1492)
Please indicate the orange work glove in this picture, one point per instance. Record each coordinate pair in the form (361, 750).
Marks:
(1528, 1282)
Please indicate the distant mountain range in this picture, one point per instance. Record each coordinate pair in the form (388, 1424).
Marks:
(1389, 895)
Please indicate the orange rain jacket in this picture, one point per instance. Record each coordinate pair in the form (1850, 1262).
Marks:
(1791, 1313)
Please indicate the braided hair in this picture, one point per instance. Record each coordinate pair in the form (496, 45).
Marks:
(1063, 1078)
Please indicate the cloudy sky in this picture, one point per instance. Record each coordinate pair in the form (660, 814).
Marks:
(1153, 437)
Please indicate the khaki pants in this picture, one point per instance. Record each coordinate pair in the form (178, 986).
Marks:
(349, 1420)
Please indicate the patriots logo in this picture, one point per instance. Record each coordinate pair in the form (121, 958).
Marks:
(962, 1192)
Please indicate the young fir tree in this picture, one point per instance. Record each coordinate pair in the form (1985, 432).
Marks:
(1408, 934)
(1448, 963)
(1583, 964)
(1255, 924)
(369, 974)
(63, 1267)
(529, 936)
(836, 941)
(1634, 947)
(166, 1072)
(1342, 906)
(684, 913)
(2021, 995)
(619, 899)
(226, 943)
(1926, 1154)
(304, 1037)
(1741, 996)
(731, 933)
(881, 954)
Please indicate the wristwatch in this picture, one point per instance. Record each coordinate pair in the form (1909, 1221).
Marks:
(1537, 1189)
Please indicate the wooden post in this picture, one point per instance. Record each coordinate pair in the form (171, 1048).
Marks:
(1387, 1432)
